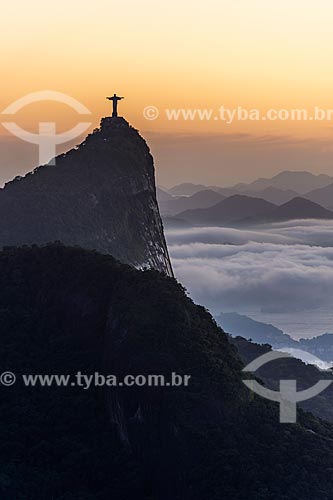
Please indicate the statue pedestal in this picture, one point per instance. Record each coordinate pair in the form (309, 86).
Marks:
(112, 122)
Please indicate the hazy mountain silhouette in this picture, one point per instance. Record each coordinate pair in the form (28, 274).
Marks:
(100, 195)
(321, 346)
(269, 193)
(272, 194)
(277, 189)
(201, 199)
(186, 189)
(262, 333)
(301, 182)
(231, 210)
(240, 209)
(323, 196)
(297, 208)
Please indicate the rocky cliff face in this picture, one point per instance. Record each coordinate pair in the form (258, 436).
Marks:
(100, 195)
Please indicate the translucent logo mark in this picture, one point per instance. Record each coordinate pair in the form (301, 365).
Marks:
(287, 396)
(47, 138)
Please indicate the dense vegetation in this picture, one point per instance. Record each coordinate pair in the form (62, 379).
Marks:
(66, 309)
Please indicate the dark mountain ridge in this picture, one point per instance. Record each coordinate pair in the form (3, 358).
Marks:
(297, 208)
(65, 310)
(232, 209)
(243, 210)
(272, 194)
(202, 199)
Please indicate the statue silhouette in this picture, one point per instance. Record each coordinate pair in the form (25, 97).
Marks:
(115, 98)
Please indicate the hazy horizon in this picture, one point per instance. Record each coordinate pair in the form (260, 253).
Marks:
(178, 158)
(251, 55)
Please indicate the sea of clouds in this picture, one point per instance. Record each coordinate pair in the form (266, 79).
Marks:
(286, 267)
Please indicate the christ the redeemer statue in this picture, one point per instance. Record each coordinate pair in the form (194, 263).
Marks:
(115, 98)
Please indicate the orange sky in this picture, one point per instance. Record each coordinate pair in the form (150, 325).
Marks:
(254, 54)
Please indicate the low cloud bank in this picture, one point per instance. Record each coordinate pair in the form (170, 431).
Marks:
(286, 267)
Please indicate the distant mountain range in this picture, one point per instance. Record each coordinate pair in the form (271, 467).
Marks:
(298, 208)
(261, 333)
(301, 182)
(186, 189)
(278, 190)
(244, 210)
(170, 205)
(272, 194)
(238, 324)
(231, 210)
(323, 196)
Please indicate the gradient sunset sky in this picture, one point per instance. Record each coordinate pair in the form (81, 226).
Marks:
(177, 54)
